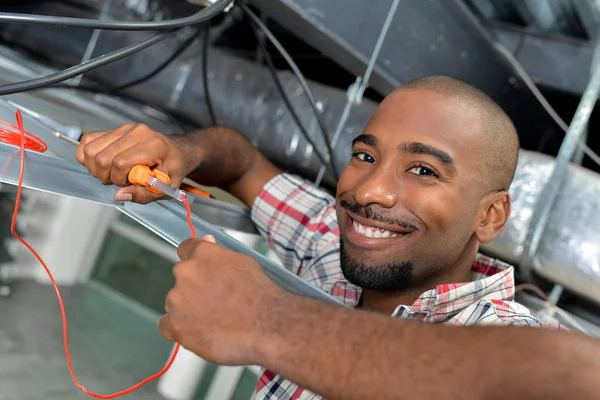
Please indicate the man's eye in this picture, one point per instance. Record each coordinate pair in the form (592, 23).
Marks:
(423, 171)
(364, 157)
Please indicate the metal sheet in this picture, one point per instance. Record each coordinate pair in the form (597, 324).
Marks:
(165, 218)
(224, 214)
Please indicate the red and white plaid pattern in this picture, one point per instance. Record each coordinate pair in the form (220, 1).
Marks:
(299, 222)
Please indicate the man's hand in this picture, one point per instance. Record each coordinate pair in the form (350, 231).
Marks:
(110, 155)
(227, 311)
(219, 305)
(218, 156)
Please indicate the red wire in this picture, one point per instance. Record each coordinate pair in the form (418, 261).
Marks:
(10, 134)
(37, 144)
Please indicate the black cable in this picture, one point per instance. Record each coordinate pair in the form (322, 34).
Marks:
(283, 95)
(300, 76)
(69, 73)
(203, 15)
(211, 110)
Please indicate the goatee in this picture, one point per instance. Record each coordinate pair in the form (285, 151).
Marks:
(389, 276)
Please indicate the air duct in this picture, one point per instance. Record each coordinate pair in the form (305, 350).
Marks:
(245, 98)
(243, 93)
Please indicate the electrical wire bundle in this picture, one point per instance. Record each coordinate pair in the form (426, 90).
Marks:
(171, 27)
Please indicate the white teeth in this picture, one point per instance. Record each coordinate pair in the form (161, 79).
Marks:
(372, 232)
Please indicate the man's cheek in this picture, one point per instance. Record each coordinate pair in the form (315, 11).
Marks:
(439, 214)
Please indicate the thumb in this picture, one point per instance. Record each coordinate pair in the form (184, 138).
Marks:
(136, 194)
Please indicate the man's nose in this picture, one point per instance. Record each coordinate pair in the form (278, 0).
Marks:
(379, 187)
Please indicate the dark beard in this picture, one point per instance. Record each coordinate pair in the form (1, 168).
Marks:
(386, 277)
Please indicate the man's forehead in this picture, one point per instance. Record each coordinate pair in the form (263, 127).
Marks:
(408, 114)
(403, 99)
(428, 118)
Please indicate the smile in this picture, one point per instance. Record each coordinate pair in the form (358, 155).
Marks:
(369, 234)
(372, 232)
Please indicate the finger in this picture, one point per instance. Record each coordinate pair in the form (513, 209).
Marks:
(190, 247)
(169, 300)
(86, 139)
(135, 194)
(152, 153)
(164, 327)
(111, 155)
(96, 146)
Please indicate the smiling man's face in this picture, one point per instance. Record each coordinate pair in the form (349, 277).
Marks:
(409, 203)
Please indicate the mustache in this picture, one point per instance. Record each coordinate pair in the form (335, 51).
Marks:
(368, 213)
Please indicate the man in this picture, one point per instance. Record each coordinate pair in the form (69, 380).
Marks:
(427, 183)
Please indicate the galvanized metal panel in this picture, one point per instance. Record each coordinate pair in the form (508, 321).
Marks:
(166, 218)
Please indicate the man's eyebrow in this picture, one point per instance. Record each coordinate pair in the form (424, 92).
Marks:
(366, 138)
(422, 148)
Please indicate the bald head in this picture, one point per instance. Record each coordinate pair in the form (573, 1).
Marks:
(499, 142)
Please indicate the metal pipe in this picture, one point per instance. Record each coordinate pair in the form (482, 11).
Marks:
(551, 190)
(243, 93)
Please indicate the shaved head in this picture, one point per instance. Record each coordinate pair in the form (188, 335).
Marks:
(499, 150)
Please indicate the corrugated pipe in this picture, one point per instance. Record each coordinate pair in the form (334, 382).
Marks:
(243, 92)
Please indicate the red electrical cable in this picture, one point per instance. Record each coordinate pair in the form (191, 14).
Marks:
(11, 134)
(37, 144)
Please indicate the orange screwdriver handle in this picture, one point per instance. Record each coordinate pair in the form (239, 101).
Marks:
(139, 176)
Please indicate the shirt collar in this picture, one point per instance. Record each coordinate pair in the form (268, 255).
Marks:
(490, 279)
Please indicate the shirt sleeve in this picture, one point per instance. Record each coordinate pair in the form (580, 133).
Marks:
(500, 312)
(299, 223)
(296, 219)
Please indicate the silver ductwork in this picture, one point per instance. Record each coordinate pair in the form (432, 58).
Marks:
(243, 93)
(245, 98)
(569, 253)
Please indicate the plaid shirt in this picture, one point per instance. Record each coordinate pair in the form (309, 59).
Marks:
(299, 222)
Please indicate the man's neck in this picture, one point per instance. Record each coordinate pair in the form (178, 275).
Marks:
(387, 301)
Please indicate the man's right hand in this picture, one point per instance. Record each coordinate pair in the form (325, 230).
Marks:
(110, 155)
(218, 156)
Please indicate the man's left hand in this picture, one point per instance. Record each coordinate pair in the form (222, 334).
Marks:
(217, 306)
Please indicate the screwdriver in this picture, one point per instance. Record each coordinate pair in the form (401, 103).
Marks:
(158, 182)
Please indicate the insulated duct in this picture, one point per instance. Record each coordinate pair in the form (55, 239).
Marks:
(569, 253)
(243, 93)
(244, 97)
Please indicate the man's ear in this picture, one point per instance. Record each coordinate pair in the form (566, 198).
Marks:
(492, 216)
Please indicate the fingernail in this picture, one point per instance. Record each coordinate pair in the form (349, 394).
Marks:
(210, 238)
(123, 197)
